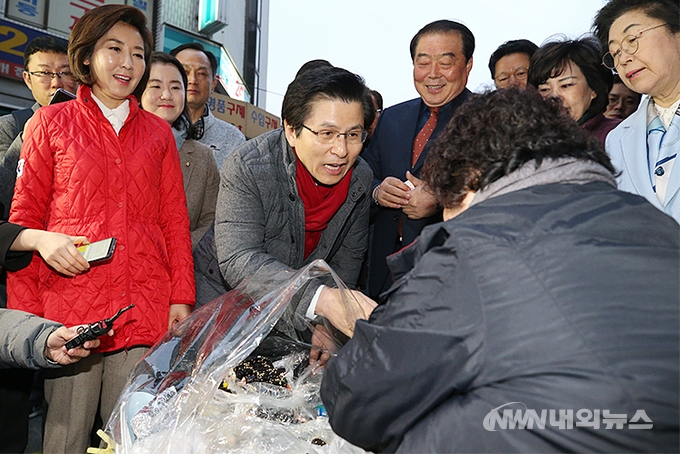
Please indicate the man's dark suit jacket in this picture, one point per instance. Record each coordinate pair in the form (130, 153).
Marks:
(389, 155)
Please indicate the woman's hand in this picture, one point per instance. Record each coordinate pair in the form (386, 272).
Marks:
(344, 313)
(57, 250)
(178, 312)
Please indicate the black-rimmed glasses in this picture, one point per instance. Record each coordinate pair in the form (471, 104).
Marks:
(49, 75)
(519, 73)
(328, 136)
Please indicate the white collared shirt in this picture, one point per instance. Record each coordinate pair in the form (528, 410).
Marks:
(666, 113)
(115, 116)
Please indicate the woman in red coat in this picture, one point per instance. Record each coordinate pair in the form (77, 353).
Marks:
(100, 166)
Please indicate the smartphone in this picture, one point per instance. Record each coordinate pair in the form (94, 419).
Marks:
(61, 95)
(99, 250)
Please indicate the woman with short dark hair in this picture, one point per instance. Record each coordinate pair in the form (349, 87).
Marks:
(572, 71)
(100, 166)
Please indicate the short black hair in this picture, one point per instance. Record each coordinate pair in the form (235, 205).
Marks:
(495, 133)
(378, 98)
(667, 11)
(442, 27)
(517, 46)
(553, 58)
(45, 43)
(331, 83)
(313, 64)
(199, 47)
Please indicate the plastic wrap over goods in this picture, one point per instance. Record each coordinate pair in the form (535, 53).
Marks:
(234, 377)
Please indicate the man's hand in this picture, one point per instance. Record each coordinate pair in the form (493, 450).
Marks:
(55, 349)
(344, 313)
(393, 193)
(178, 312)
(58, 250)
(323, 346)
(422, 202)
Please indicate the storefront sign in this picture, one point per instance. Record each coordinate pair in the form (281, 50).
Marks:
(250, 119)
(63, 19)
(13, 40)
(28, 11)
(212, 16)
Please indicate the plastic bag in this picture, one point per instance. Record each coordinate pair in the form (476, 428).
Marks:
(173, 403)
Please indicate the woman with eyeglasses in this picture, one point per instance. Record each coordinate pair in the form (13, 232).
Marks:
(572, 71)
(641, 40)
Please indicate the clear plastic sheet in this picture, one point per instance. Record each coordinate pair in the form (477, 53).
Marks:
(184, 395)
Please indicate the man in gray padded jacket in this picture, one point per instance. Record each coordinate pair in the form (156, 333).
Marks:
(297, 194)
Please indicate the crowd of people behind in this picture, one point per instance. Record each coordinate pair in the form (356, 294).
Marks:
(518, 246)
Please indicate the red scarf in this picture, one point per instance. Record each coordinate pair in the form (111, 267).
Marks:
(321, 203)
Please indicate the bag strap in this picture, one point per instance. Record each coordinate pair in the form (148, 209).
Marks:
(21, 116)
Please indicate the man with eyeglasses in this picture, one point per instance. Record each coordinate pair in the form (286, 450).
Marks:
(45, 70)
(402, 204)
(294, 195)
(509, 64)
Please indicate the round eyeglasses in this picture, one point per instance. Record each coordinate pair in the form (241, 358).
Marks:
(629, 45)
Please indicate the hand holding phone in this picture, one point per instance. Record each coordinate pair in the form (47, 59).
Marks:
(99, 250)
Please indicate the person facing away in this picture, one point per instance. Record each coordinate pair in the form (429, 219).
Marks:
(509, 64)
(539, 319)
(165, 96)
(46, 69)
(641, 41)
(401, 203)
(201, 68)
(101, 167)
(622, 100)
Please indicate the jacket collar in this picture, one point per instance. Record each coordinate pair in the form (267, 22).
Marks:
(633, 143)
(84, 97)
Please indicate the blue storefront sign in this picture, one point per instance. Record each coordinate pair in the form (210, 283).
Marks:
(13, 41)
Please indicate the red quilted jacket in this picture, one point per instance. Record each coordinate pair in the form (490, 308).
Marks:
(76, 176)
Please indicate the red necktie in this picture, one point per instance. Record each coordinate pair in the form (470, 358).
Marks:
(424, 135)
